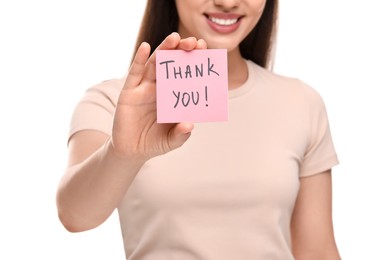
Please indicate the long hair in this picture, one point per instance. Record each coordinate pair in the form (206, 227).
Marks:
(161, 19)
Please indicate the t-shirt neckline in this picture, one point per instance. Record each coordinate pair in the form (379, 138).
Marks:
(248, 84)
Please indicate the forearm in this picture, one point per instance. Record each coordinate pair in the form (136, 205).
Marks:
(331, 254)
(91, 190)
(312, 234)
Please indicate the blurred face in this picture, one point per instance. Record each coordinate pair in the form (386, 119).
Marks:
(221, 23)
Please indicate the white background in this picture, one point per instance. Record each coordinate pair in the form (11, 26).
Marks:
(51, 51)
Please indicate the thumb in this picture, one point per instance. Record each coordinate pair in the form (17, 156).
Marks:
(179, 134)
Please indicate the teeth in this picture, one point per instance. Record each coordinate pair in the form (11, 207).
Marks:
(225, 22)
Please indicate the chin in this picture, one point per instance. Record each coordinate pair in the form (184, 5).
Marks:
(221, 45)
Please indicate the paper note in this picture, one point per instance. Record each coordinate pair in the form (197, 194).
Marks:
(192, 86)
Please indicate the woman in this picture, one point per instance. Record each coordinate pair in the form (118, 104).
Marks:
(255, 187)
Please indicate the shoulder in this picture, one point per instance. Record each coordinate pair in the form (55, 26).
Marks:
(291, 88)
(106, 90)
(96, 107)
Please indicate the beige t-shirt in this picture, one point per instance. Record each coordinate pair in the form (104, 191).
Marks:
(229, 191)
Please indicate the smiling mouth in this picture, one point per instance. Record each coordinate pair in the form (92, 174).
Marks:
(223, 21)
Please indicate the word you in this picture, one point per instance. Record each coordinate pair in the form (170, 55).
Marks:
(186, 97)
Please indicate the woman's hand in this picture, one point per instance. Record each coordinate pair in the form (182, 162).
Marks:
(135, 130)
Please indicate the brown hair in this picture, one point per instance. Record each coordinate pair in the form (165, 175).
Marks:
(161, 19)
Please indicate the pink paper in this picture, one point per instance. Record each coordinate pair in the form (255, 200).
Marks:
(192, 86)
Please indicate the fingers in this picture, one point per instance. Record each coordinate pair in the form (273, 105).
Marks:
(187, 44)
(144, 68)
(201, 44)
(192, 43)
(170, 43)
(137, 68)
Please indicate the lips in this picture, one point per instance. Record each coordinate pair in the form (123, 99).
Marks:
(223, 22)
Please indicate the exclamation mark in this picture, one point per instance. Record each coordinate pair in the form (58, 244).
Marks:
(205, 92)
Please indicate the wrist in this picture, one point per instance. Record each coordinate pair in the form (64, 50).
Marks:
(131, 159)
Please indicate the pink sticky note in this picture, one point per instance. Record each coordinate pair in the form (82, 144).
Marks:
(192, 86)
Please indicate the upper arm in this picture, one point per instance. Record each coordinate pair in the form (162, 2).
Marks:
(312, 226)
(84, 143)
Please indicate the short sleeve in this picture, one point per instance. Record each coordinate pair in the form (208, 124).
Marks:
(96, 108)
(320, 154)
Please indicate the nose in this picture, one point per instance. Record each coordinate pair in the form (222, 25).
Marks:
(227, 4)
